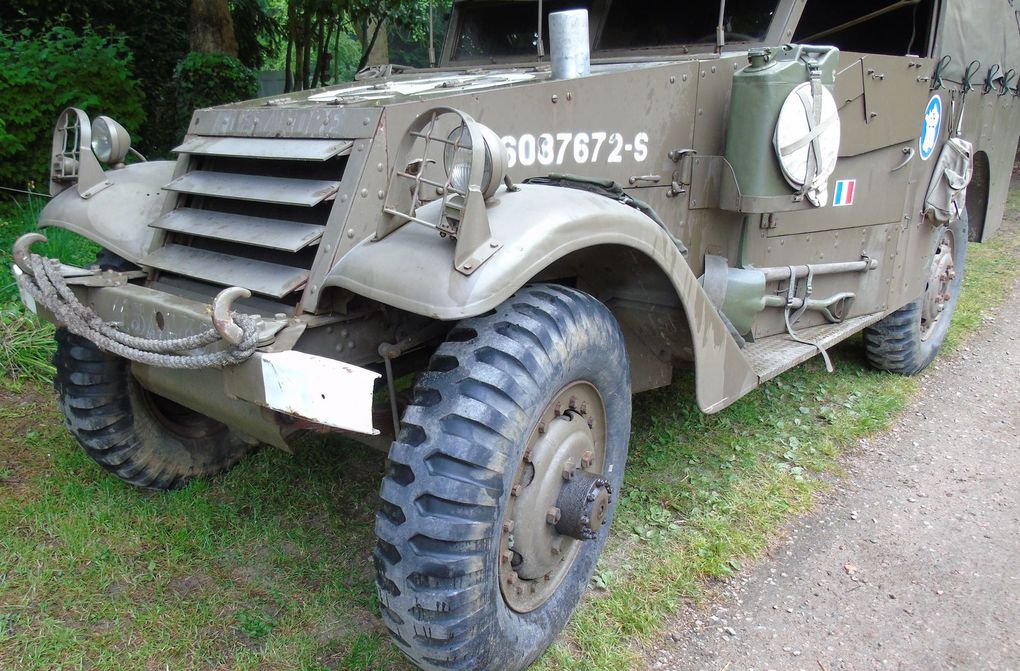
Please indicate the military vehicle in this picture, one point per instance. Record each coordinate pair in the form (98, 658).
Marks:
(571, 207)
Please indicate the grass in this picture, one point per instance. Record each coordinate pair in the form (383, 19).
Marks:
(269, 566)
(26, 344)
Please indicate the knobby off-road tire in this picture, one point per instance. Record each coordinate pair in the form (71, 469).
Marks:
(908, 340)
(143, 439)
(495, 390)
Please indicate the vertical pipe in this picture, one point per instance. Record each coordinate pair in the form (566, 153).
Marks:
(569, 44)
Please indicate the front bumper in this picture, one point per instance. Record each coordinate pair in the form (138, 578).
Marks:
(305, 389)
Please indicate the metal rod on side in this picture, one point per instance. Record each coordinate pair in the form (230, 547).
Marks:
(782, 273)
(720, 30)
(432, 39)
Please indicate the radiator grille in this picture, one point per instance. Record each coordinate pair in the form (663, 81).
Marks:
(250, 212)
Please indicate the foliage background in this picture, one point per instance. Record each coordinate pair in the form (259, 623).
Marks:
(203, 80)
(123, 59)
(41, 75)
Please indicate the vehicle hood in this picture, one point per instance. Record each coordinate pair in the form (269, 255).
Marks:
(420, 86)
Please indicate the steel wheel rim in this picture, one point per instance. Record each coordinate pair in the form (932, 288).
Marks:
(938, 291)
(569, 437)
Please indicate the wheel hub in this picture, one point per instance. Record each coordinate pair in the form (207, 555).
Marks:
(583, 503)
(559, 498)
(938, 290)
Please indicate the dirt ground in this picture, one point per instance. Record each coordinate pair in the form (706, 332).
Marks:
(913, 562)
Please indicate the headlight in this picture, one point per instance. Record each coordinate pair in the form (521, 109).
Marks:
(110, 142)
(457, 159)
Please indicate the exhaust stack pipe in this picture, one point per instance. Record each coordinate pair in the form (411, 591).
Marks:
(570, 52)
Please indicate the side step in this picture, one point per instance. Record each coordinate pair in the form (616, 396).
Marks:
(777, 354)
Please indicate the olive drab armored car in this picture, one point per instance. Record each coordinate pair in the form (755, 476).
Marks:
(582, 198)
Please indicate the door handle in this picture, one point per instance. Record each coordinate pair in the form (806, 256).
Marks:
(909, 152)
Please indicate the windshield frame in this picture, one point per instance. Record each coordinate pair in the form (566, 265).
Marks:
(780, 31)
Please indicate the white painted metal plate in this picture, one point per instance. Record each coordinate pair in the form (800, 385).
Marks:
(25, 298)
(318, 389)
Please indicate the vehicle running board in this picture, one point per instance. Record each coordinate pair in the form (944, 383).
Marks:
(776, 354)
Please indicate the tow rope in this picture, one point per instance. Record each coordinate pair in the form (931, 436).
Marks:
(46, 284)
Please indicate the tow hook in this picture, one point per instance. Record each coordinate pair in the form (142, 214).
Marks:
(22, 251)
(222, 320)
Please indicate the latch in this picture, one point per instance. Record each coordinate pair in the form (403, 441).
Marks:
(681, 182)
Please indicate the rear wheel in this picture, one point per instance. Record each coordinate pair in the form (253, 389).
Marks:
(908, 340)
(502, 484)
(144, 439)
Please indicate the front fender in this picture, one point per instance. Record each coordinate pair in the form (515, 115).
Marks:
(118, 217)
(412, 269)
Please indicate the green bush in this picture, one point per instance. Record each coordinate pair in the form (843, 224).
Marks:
(204, 80)
(46, 72)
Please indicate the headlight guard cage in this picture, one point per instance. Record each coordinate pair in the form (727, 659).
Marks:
(71, 159)
(461, 213)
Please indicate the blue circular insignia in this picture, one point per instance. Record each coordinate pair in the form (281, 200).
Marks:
(932, 127)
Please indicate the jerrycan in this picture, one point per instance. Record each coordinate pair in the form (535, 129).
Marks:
(759, 91)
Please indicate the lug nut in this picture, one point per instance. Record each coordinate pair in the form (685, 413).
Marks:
(587, 458)
(553, 515)
(528, 454)
(572, 403)
(568, 472)
(541, 427)
(507, 557)
(584, 408)
(516, 490)
(512, 578)
(508, 526)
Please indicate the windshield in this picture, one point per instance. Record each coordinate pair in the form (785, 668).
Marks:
(501, 30)
(665, 23)
(508, 30)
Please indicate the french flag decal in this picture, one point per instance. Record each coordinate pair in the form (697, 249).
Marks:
(844, 193)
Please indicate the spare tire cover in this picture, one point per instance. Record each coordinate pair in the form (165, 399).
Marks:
(794, 136)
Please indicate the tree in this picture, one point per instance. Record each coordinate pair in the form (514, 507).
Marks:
(211, 28)
(315, 27)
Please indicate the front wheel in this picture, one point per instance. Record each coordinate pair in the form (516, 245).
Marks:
(908, 340)
(503, 481)
(144, 439)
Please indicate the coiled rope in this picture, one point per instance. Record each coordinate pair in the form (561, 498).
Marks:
(45, 284)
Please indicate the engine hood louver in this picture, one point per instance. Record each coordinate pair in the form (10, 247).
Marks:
(285, 190)
(269, 148)
(250, 211)
(271, 233)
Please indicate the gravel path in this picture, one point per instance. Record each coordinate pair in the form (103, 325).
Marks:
(914, 563)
